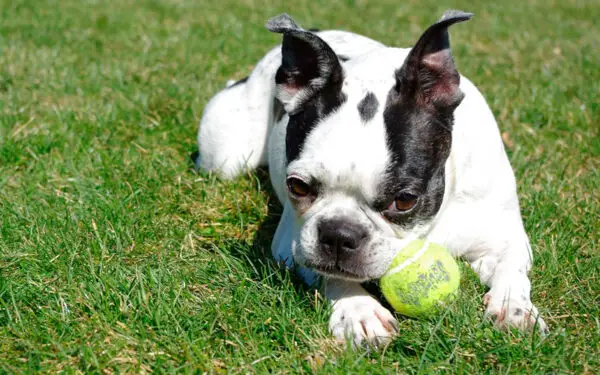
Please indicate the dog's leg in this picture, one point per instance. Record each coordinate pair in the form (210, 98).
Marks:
(357, 315)
(283, 243)
(508, 302)
(234, 128)
(497, 247)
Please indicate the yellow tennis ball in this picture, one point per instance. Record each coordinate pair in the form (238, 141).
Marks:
(421, 278)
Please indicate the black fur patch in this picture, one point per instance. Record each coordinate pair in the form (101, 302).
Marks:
(419, 142)
(418, 116)
(315, 109)
(302, 62)
(243, 80)
(518, 312)
(367, 107)
(278, 111)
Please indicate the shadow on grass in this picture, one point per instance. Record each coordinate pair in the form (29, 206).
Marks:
(257, 253)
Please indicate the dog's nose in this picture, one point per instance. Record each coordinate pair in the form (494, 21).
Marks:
(338, 238)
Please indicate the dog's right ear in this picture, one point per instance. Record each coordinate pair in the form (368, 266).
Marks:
(308, 64)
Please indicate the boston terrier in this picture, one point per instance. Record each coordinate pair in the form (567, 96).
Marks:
(368, 147)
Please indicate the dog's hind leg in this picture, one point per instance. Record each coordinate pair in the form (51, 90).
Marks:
(234, 128)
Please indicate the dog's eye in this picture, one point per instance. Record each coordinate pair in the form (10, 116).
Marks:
(297, 187)
(405, 202)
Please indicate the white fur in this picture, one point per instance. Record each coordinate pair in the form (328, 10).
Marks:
(357, 315)
(479, 219)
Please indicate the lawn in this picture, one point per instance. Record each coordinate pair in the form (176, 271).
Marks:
(116, 256)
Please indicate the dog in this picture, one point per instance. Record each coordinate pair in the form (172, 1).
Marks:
(368, 147)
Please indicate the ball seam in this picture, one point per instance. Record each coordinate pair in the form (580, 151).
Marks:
(410, 260)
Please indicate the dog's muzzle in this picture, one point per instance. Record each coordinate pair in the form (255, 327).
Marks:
(340, 240)
(341, 246)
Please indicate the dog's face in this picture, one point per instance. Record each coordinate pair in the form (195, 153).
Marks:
(366, 146)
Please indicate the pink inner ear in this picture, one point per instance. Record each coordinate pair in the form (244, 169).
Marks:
(286, 92)
(438, 61)
(443, 78)
(290, 89)
(446, 91)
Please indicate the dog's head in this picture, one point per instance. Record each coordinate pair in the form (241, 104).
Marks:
(366, 145)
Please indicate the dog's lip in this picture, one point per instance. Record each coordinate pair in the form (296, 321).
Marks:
(335, 270)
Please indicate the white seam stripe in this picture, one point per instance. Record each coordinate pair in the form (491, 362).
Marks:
(410, 260)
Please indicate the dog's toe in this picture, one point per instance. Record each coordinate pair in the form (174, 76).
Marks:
(513, 313)
(362, 320)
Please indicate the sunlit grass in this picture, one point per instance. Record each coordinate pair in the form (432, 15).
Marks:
(116, 256)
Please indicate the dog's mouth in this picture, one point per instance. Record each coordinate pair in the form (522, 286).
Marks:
(336, 270)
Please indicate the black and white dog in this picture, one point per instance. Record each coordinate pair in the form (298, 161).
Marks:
(368, 147)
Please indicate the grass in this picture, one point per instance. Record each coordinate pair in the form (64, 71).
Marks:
(115, 256)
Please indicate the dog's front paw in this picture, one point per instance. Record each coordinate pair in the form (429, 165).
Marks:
(513, 311)
(363, 320)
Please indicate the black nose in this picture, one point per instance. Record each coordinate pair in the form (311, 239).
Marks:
(340, 238)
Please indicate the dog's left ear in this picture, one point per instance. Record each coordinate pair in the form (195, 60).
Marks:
(308, 64)
(429, 74)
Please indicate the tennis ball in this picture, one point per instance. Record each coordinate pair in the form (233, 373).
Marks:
(421, 278)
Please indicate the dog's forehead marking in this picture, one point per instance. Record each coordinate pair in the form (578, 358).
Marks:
(344, 153)
(368, 106)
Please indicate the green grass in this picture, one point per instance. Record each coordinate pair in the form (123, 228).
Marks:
(115, 256)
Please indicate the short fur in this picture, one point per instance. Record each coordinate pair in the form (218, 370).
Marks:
(387, 145)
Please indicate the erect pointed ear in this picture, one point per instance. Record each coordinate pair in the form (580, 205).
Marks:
(429, 74)
(308, 64)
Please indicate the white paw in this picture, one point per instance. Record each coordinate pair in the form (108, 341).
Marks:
(363, 320)
(513, 311)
